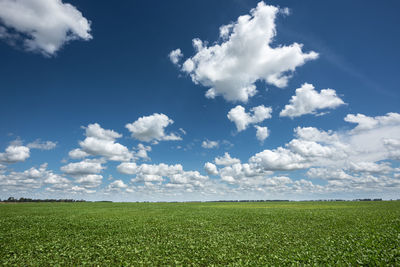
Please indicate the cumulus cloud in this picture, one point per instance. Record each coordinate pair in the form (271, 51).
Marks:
(210, 168)
(85, 172)
(89, 180)
(42, 25)
(84, 167)
(101, 142)
(393, 147)
(237, 172)
(155, 172)
(15, 153)
(328, 174)
(353, 160)
(127, 167)
(77, 154)
(244, 55)
(38, 144)
(369, 138)
(368, 123)
(173, 176)
(175, 56)
(33, 178)
(307, 101)
(109, 149)
(226, 160)
(280, 159)
(141, 152)
(117, 186)
(209, 144)
(81, 190)
(152, 128)
(242, 119)
(262, 133)
(94, 130)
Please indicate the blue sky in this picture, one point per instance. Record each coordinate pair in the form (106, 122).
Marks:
(302, 101)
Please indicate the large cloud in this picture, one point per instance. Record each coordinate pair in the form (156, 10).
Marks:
(101, 142)
(226, 160)
(15, 153)
(242, 119)
(231, 67)
(369, 123)
(42, 25)
(152, 128)
(356, 159)
(84, 167)
(210, 168)
(33, 178)
(308, 101)
(173, 176)
(86, 172)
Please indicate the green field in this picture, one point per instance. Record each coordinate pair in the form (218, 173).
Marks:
(266, 233)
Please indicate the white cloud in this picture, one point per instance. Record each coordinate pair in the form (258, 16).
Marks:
(85, 167)
(210, 168)
(15, 153)
(151, 128)
(242, 173)
(353, 161)
(368, 141)
(101, 142)
(79, 190)
(42, 25)
(127, 168)
(328, 174)
(280, 159)
(193, 178)
(77, 154)
(368, 123)
(109, 149)
(33, 178)
(231, 67)
(142, 151)
(94, 130)
(308, 101)
(226, 160)
(393, 147)
(242, 119)
(155, 174)
(89, 180)
(85, 172)
(209, 144)
(262, 133)
(37, 144)
(370, 167)
(175, 56)
(117, 185)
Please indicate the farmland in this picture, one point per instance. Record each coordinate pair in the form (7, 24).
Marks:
(265, 233)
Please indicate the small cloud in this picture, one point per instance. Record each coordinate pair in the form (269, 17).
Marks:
(45, 145)
(209, 144)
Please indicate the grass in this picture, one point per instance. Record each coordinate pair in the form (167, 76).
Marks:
(266, 233)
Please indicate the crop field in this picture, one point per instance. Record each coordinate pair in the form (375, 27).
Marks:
(264, 233)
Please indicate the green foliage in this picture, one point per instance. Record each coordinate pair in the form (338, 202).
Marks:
(223, 234)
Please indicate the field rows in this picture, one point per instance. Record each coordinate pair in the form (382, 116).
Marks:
(355, 233)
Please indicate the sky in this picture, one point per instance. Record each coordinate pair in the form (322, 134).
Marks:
(199, 100)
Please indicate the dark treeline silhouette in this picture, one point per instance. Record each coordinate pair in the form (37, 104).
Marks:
(22, 199)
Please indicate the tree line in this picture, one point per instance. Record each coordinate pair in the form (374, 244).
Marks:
(23, 199)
